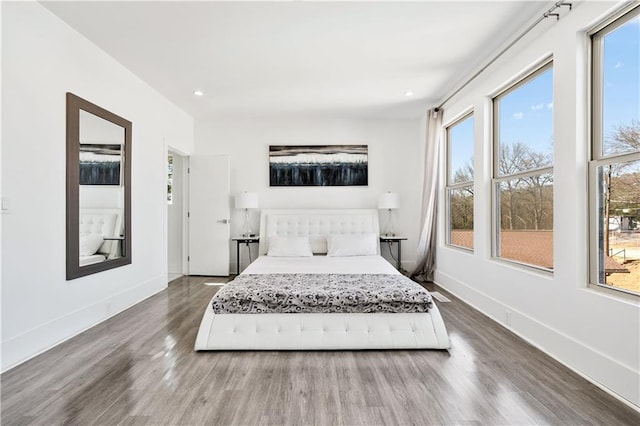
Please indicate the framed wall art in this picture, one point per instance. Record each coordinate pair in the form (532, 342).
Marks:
(318, 165)
(100, 164)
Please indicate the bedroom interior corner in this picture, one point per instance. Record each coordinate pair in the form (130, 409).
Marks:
(528, 345)
(392, 166)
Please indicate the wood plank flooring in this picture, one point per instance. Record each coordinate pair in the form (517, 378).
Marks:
(139, 368)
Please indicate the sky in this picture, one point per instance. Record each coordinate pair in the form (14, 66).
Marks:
(461, 136)
(621, 76)
(526, 114)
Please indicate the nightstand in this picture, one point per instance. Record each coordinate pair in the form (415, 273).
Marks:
(246, 241)
(120, 243)
(391, 240)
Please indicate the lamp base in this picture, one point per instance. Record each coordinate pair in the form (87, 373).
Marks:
(246, 228)
(390, 228)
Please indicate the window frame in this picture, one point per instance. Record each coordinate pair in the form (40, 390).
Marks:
(449, 185)
(496, 179)
(597, 156)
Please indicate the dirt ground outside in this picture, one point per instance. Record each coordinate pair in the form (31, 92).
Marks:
(630, 281)
(625, 247)
(530, 247)
(536, 248)
(462, 238)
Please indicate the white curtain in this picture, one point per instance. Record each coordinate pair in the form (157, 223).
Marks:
(427, 243)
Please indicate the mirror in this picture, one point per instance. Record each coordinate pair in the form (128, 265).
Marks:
(98, 189)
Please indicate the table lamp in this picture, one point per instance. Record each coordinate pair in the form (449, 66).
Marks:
(389, 201)
(246, 201)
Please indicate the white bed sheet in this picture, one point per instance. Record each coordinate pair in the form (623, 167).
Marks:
(321, 265)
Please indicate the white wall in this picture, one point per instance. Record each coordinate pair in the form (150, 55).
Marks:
(595, 332)
(101, 197)
(393, 165)
(42, 59)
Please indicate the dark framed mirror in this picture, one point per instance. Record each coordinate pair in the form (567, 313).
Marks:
(98, 189)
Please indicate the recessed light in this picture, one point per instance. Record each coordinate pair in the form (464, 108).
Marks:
(198, 92)
(408, 94)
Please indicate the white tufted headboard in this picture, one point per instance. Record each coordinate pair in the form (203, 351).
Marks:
(317, 224)
(105, 222)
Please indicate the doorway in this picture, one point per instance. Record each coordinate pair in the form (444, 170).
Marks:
(177, 202)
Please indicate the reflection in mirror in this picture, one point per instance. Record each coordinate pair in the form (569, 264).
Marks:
(101, 190)
(98, 189)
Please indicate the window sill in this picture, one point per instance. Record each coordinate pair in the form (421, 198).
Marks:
(613, 293)
(459, 248)
(524, 267)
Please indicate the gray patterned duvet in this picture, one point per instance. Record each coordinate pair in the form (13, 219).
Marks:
(321, 293)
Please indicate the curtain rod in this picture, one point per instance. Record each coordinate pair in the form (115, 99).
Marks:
(545, 15)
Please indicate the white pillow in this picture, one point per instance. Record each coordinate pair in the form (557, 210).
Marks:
(289, 246)
(352, 245)
(89, 244)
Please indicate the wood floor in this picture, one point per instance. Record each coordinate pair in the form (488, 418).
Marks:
(140, 368)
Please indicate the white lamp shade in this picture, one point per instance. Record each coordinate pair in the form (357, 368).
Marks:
(389, 201)
(247, 200)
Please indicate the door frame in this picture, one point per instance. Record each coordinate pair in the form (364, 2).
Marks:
(185, 211)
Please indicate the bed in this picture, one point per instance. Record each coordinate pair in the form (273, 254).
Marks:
(245, 324)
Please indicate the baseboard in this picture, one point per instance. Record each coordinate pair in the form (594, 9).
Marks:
(32, 343)
(615, 378)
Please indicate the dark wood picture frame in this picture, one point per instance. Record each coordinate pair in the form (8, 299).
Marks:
(74, 105)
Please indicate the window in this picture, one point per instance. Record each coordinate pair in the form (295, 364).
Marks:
(523, 170)
(614, 171)
(460, 183)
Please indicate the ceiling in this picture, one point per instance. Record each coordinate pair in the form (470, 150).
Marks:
(266, 59)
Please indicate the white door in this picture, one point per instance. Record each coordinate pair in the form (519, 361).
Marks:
(209, 215)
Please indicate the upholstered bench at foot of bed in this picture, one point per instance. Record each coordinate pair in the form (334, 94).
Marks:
(321, 331)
